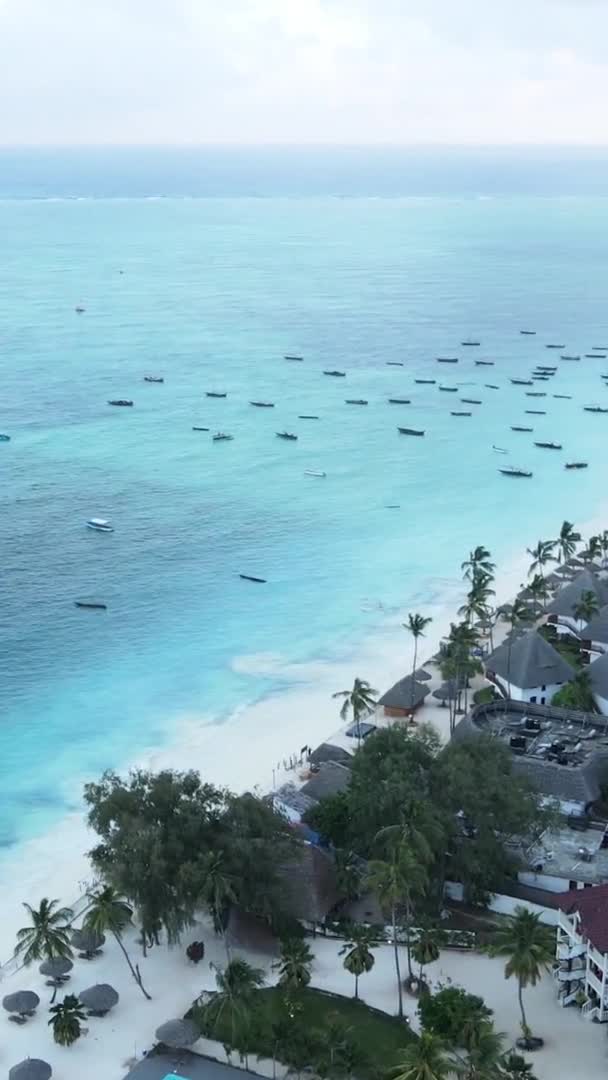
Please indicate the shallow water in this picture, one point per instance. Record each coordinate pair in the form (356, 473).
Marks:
(213, 293)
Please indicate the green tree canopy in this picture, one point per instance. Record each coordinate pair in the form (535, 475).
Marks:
(453, 1014)
(158, 833)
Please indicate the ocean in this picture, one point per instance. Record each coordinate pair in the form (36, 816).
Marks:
(206, 268)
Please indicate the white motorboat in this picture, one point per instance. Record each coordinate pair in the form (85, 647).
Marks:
(313, 472)
(100, 524)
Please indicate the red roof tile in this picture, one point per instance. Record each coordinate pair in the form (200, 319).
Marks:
(592, 906)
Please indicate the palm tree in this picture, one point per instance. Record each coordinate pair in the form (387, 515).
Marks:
(479, 561)
(425, 949)
(420, 827)
(594, 547)
(65, 1021)
(236, 988)
(485, 1055)
(218, 893)
(416, 624)
(396, 882)
(47, 938)
(109, 913)
(517, 1068)
(566, 542)
(538, 590)
(294, 964)
(425, 1058)
(541, 555)
(359, 958)
(603, 542)
(587, 607)
(529, 949)
(360, 701)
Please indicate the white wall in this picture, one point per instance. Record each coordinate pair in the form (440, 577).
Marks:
(505, 905)
(543, 697)
(543, 881)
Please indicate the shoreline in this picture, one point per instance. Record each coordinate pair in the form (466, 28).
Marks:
(254, 741)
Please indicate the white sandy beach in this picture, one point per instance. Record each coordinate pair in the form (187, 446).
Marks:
(574, 1047)
(242, 753)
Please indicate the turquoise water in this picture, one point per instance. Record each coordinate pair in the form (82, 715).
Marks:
(213, 292)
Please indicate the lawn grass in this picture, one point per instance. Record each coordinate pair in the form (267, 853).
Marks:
(380, 1037)
(570, 650)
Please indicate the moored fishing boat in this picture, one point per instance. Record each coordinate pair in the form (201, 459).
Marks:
(409, 431)
(510, 470)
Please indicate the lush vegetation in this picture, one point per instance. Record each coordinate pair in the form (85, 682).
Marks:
(66, 1020)
(334, 1036)
(577, 694)
(47, 936)
(453, 1014)
(455, 809)
(171, 844)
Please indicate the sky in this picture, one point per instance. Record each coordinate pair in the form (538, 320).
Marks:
(82, 72)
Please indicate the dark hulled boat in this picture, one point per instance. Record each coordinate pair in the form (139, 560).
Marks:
(125, 403)
(263, 404)
(154, 378)
(461, 414)
(409, 431)
(337, 374)
(470, 401)
(484, 363)
(549, 445)
(399, 401)
(449, 389)
(214, 393)
(250, 577)
(447, 359)
(509, 470)
(286, 435)
(522, 429)
(94, 605)
(576, 465)
(426, 382)
(594, 409)
(355, 401)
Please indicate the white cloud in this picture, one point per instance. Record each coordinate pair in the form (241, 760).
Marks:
(171, 71)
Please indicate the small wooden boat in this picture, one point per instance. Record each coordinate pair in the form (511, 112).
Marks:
(549, 445)
(221, 436)
(314, 472)
(461, 414)
(196, 428)
(536, 393)
(292, 356)
(576, 465)
(540, 378)
(262, 404)
(399, 401)
(153, 378)
(409, 431)
(499, 449)
(600, 348)
(470, 401)
(550, 369)
(595, 356)
(250, 577)
(426, 382)
(491, 386)
(394, 363)
(307, 416)
(469, 343)
(521, 382)
(511, 471)
(5, 438)
(214, 393)
(522, 429)
(528, 333)
(355, 401)
(123, 402)
(449, 389)
(94, 605)
(286, 435)
(484, 363)
(337, 374)
(535, 412)
(566, 357)
(447, 359)
(594, 409)
(554, 346)
(566, 397)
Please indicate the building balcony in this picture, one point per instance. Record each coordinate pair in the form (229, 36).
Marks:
(571, 950)
(595, 983)
(567, 924)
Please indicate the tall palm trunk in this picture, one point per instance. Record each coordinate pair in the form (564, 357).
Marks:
(397, 965)
(414, 668)
(356, 987)
(134, 970)
(408, 926)
(524, 1022)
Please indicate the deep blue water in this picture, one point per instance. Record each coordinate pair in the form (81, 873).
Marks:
(213, 292)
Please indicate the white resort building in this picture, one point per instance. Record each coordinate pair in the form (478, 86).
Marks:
(529, 669)
(581, 971)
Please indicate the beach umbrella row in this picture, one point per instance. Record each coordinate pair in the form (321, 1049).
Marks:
(99, 998)
(22, 1002)
(178, 1034)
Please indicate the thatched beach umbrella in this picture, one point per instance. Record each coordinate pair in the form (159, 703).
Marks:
(179, 1034)
(31, 1069)
(422, 676)
(443, 693)
(57, 968)
(22, 1002)
(100, 998)
(87, 941)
